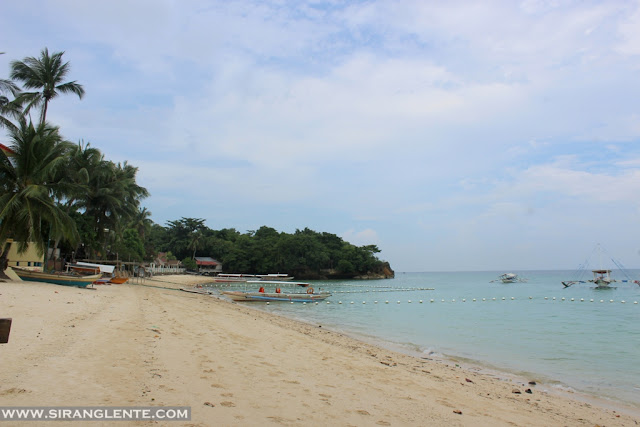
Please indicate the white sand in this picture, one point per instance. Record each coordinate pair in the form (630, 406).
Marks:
(133, 345)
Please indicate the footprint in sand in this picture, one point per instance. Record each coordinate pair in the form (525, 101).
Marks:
(228, 404)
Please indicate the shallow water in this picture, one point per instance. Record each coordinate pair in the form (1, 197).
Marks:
(526, 329)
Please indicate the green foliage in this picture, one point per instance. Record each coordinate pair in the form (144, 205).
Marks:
(190, 264)
(305, 253)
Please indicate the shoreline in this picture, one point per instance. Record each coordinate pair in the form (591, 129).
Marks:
(150, 344)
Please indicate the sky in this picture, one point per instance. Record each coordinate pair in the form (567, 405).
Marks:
(455, 136)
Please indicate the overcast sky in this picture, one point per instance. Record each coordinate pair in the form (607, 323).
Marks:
(494, 135)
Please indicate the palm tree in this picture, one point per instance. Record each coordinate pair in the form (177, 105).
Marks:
(45, 74)
(112, 199)
(28, 181)
(7, 108)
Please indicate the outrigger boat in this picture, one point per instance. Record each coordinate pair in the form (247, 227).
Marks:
(601, 277)
(510, 278)
(277, 295)
(66, 279)
(275, 276)
(233, 278)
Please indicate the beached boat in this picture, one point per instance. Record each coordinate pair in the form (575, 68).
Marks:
(59, 278)
(118, 280)
(277, 294)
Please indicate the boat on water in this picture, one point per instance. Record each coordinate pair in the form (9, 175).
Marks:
(233, 278)
(601, 276)
(510, 278)
(277, 294)
(57, 278)
(275, 276)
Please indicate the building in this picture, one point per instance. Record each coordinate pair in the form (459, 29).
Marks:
(30, 259)
(208, 266)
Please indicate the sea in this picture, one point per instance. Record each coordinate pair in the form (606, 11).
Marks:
(577, 339)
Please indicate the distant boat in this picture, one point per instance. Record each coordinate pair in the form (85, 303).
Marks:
(601, 276)
(277, 295)
(66, 279)
(510, 278)
(233, 278)
(275, 276)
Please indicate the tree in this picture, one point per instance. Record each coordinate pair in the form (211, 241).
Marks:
(45, 74)
(28, 212)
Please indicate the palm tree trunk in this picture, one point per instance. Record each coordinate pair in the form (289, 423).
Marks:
(4, 260)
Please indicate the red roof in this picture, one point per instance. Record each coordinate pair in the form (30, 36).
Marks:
(206, 263)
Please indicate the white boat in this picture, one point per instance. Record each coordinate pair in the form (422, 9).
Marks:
(277, 294)
(233, 278)
(601, 276)
(275, 276)
(510, 278)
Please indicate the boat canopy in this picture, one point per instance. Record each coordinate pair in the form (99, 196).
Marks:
(103, 268)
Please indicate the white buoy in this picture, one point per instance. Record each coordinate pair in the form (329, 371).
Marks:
(474, 300)
(512, 298)
(591, 300)
(546, 297)
(453, 300)
(530, 297)
(339, 302)
(398, 302)
(554, 298)
(601, 300)
(351, 302)
(267, 302)
(622, 302)
(291, 302)
(572, 299)
(420, 301)
(431, 300)
(610, 300)
(443, 300)
(364, 302)
(328, 302)
(581, 299)
(464, 300)
(386, 302)
(375, 302)
(484, 299)
(503, 298)
(563, 298)
(303, 302)
(635, 302)
(494, 298)
(409, 301)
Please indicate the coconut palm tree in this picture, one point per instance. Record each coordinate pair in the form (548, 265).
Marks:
(28, 212)
(8, 109)
(46, 74)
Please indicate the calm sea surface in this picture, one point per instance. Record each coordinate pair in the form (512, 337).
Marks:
(538, 330)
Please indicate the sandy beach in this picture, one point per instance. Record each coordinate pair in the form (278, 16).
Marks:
(150, 344)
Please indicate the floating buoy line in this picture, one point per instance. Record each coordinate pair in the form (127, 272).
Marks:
(374, 289)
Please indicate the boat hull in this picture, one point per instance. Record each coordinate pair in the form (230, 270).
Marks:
(118, 280)
(57, 279)
(273, 296)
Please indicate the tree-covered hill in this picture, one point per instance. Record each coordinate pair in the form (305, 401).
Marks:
(305, 254)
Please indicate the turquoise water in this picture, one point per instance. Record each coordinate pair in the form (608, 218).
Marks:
(519, 328)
